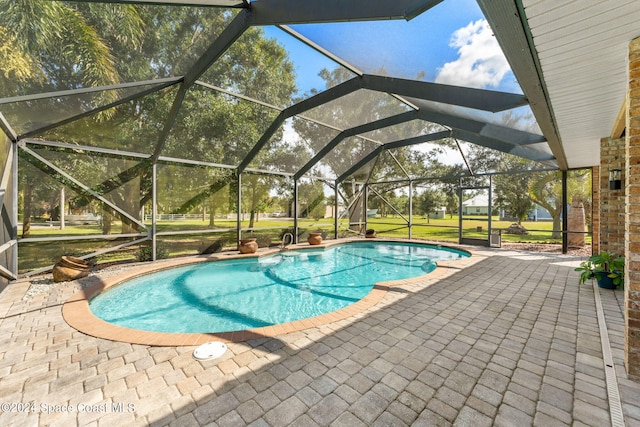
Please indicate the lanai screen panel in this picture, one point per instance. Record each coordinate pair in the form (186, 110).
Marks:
(374, 47)
(315, 207)
(134, 126)
(261, 193)
(541, 147)
(403, 131)
(520, 118)
(196, 198)
(216, 127)
(348, 153)
(388, 209)
(309, 137)
(41, 197)
(363, 173)
(351, 218)
(36, 255)
(427, 160)
(6, 206)
(296, 142)
(130, 36)
(271, 66)
(123, 182)
(483, 160)
(41, 204)
(357, 108)
(385, 167)
(29, 115)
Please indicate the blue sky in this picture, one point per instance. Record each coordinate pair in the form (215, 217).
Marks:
(450, 44)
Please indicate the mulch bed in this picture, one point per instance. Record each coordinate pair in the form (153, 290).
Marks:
(548, 248)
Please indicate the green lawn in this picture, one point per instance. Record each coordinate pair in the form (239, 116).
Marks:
(393, 226)
(447, 229)
(268, 231)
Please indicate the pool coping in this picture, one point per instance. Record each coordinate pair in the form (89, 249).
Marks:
(77, 314)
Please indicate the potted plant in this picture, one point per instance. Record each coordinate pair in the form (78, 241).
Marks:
(607, 269)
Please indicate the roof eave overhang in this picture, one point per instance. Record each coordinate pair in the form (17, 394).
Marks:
(512, 33)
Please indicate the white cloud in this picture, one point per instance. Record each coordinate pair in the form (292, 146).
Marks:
(480, 64)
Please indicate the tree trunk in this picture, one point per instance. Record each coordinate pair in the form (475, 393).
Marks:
(251, 216)
(26, 212)
(106, 220)
(557, 225)
(131, 205)
(63, 204)
(212, 214)
(355, 211)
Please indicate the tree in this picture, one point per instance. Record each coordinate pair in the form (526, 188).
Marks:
(511, 190)
(512, 195)
(55, 46)
(219, 128)
(60, 43)
(429, 200)
(545, 189)
(15, 64)
(451, 204)
(145, 42)
(255, 195)
(311, 199)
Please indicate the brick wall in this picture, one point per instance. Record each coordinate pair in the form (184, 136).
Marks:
(611, 202)
(595, 210)
(632, 216)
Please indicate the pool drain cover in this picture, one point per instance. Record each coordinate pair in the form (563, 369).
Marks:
(210, 350)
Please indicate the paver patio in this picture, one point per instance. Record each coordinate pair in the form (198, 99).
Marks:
(509, 340)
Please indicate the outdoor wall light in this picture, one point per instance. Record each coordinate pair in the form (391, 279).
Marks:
(615, 179)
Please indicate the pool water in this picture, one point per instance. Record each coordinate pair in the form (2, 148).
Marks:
(248, 293)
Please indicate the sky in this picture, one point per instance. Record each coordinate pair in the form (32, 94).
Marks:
(450, 44)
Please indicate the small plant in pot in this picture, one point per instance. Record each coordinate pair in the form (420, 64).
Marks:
(605, 267)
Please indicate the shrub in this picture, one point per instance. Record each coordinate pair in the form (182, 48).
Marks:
(214, 247)
(145, 253)
(263, 240)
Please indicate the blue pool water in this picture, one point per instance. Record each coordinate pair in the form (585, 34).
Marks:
(248, 293)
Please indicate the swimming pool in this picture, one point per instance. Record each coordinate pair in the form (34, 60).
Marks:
(249, 293)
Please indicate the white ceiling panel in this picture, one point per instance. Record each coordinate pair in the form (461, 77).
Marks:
(582, 49)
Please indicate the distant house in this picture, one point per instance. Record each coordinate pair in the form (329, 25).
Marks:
(540, 214)
(438, 213)
(478, 205)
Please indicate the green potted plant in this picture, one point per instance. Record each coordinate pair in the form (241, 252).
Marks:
(605, 267)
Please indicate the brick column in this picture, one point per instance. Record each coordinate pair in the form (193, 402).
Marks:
(611, 202)
(631, 176)
(595, 210)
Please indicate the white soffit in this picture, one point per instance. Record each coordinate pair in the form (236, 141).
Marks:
(582, 47)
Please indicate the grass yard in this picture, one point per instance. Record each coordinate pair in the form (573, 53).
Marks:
(447, 229)
(36, 255)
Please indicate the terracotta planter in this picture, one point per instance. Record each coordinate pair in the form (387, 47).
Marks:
(248, 246)
(70, 268)
(65, 274)
(370, 234)
(314, 238)
(73, 262)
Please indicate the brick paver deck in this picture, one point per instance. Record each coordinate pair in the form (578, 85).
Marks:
(508, 340)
